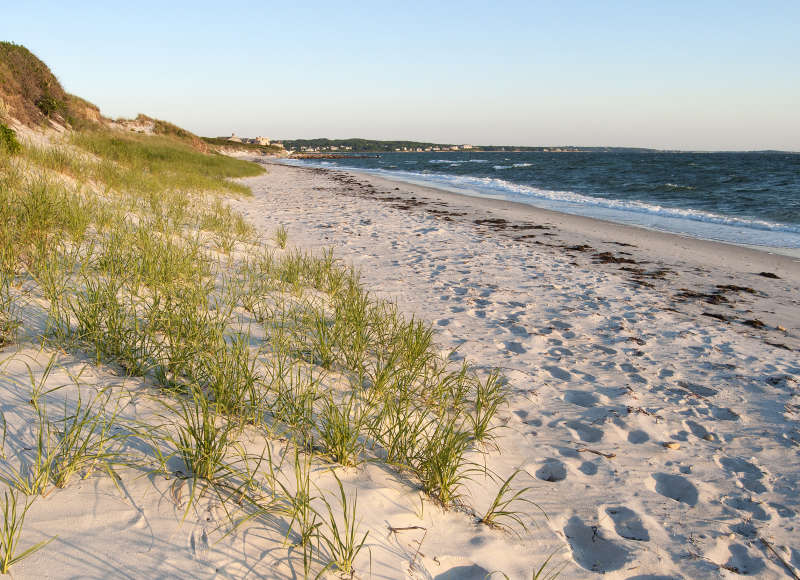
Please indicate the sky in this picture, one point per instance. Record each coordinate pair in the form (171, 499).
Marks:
(719, 75)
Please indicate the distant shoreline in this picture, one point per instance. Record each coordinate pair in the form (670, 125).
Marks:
(665, 224)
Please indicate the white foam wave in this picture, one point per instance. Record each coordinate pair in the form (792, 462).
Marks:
(526, 192)
(513, 166)
(707, 224)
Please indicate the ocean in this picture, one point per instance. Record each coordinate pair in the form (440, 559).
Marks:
(741, 198)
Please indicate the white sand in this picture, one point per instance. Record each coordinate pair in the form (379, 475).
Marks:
(596, 362)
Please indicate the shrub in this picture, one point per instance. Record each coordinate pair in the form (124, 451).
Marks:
(8, 140)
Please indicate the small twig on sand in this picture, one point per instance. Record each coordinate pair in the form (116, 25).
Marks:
(419, 547)
(606, 455)
(780, 558)
(394, 530)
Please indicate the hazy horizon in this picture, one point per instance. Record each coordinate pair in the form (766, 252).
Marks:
(684, 76)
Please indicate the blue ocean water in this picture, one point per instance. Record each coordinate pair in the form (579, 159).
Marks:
(743, 198)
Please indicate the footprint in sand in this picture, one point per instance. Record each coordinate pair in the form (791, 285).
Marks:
(743, 563)
(628, 524)
(637, 437)
(592, 550)
(559, 351)
(724, 414)
(198, 544)
(581, 398)
(747, 505)
(749, 475)
(552, 470)
(465, 572)
(585, 432)
(782, 510)
(676, 487)
(515, 347)
(696, 389)
(698, 430)
(557, 372)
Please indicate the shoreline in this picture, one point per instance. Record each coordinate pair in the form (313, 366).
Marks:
(564, 217)
(697, 260)
(780, 250)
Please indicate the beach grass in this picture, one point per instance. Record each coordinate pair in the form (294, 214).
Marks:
(10, 534)
(128, 243)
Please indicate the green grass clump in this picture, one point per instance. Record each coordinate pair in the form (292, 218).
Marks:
(341, 425)
(204, 437)
(441, 464)
(281, 236)
(13, 520)
(8, 141)
(86, 440)
(342, 538)
(499, 514)
(8, 318)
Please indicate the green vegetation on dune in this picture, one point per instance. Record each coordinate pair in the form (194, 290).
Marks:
(126, 245)
(153, 163)
(126, 241)
(33, 94)
(8, 140)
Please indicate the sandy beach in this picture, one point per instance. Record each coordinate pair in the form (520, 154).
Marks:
(448, 291)
(653, 410)
(655, 395)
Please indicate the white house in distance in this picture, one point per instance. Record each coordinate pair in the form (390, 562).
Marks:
(263, 141)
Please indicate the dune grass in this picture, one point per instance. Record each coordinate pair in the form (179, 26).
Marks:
(13, 520)
(130, 246)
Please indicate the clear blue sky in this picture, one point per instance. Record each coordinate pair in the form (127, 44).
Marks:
(673, 74)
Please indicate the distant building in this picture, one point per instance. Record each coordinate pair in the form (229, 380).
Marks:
(466, 146)
(262, 141)
(234, 138)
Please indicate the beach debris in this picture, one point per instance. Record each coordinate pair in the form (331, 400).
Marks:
(394, 530)
(755, 323)
(600, 453)
(780, 558)
(769, 275)
(711, 298)
(580, 248)
(674, 445)
(609, 258)
(780, 328)
(721, 317)
(735, 288)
